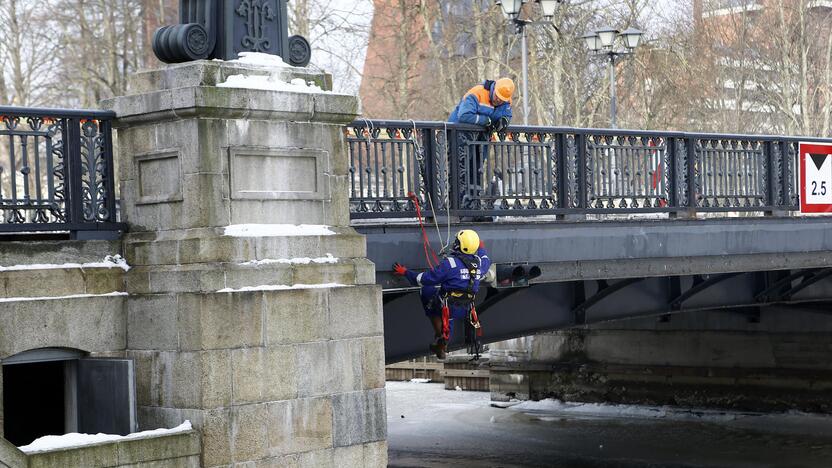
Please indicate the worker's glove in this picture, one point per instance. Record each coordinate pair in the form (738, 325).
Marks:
(399, 269)
(489, 124)
(501, 124)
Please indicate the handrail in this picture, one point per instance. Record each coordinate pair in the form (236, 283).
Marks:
(382, 123)
(56, 112)
(537, 170)
(56, 172)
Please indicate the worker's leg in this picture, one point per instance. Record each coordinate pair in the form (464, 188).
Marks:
(436, 322)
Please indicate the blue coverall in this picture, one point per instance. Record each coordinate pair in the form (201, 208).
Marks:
(450, 275)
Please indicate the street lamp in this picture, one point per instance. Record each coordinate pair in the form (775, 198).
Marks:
(602, 42)
(511, 10)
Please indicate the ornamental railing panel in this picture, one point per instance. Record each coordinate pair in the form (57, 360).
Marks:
(461, 170)
(56, 171)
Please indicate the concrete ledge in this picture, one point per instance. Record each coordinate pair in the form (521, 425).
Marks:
(211, 277)
(234, 103)
(141, 251)
(11, 456)
(60, 282)
(57, 252)
(211, 73)
(171, 450)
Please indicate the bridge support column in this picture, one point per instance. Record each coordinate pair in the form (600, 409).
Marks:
(715, 359)
(252, 310)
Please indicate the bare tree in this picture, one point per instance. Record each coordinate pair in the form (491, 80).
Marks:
(27, 54)
(337, 32)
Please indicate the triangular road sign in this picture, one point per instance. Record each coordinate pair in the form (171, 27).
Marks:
(818, 159)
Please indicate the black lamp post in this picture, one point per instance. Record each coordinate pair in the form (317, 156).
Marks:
(511, 9)
(602, 42)
(221, 29)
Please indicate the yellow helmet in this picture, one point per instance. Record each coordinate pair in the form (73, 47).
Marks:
(467, 241)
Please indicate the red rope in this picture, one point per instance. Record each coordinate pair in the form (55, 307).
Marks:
(425, 242)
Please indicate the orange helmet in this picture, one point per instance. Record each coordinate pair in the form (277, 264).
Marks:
(503, 89)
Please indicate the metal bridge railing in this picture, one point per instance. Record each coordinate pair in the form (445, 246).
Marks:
(56, 171)
(526, 171)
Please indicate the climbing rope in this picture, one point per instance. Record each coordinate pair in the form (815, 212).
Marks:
(420, 157)
(430, 255)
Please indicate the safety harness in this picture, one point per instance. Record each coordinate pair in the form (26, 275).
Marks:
(473, 328)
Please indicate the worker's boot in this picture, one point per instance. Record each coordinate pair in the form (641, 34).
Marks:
(438, 347)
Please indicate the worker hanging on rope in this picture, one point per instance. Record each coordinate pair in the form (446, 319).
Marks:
(448, 289)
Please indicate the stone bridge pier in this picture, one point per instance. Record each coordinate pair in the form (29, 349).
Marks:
(252, 309)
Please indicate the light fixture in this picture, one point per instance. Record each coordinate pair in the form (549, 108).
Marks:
(592, 41)
(631, 37)
(607, 35)
(548, 7)
(511, 8)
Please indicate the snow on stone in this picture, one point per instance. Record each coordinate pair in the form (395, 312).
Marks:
(420, 380)
(281, 287)
(270, 82)
(110, 261)
(259, 59)
(277, 230)
(293, 261)
(72, 296)
(75, 439)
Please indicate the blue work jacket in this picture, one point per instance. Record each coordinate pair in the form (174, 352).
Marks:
(476, 106)
(451, 274)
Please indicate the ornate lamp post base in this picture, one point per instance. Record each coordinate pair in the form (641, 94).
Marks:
(214, 29)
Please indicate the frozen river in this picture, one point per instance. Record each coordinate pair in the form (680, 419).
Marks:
(431, 427)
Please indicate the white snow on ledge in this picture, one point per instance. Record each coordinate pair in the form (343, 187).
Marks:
(50, 298)
(282, 287)
(277, 230)
(259, 59)
(293, 261)
(270, 83)
(74, 439)
(110, 261)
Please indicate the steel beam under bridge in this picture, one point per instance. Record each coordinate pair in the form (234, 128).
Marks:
(606, 270)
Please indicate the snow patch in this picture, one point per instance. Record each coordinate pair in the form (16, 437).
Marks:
(618, 411)
(276, 230)
(259, 59)
(49, 298)
(281, 287)
(110, 261)
(75, 439)
(420, 380)
(270, 82)
(294, 261)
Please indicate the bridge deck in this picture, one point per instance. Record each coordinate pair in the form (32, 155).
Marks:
(568, 251)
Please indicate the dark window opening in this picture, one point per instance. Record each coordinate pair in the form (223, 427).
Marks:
(34, 401)
(53, 391)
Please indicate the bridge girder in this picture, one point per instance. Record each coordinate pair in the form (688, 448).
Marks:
(515, 312)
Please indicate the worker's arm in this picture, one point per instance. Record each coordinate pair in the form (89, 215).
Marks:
(469, 112)
(507, 112)
(485, 262)
(438, 274)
